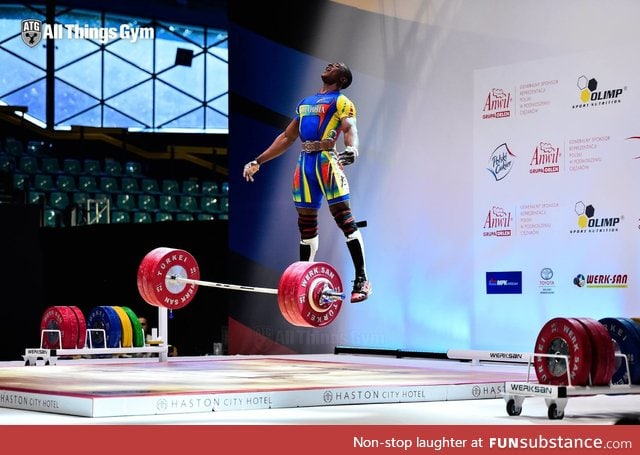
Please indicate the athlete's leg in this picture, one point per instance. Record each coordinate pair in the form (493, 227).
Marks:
(308, 226)
(345, 220)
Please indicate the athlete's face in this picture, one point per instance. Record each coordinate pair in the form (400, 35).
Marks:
(332, 73)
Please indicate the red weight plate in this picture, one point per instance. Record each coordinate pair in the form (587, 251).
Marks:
(172, 295)
(286, 288)
(308, 293)
(82, 326)
(602, 351)
(143, 278)
(566, 337)
(63, 319)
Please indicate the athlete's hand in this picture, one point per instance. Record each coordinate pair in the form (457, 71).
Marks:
(348, 156)
(249, 169)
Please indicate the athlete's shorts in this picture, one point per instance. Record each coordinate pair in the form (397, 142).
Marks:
(319, 176)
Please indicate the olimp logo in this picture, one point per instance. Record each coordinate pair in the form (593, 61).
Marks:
(31, 32)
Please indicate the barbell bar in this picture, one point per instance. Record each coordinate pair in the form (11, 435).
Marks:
(309, 293)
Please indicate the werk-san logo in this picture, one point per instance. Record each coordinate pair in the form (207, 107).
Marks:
(31, 32)
(501, 162)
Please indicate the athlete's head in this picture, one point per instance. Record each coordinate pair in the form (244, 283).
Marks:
(337, 73)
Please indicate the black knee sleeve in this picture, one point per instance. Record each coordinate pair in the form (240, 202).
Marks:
(308, 226)
(345, 221)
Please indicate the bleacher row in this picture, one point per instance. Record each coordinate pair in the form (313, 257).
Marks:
(74, 191)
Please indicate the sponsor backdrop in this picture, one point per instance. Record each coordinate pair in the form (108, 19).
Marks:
(498, 168)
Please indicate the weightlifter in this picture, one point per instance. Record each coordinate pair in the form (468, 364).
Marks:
(319, 121)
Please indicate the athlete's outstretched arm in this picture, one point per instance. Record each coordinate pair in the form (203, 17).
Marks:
(279, 145)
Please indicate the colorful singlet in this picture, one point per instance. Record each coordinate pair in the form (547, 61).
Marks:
(320, 115)
(317, 174)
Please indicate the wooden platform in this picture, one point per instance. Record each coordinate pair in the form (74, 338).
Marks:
(133, 387)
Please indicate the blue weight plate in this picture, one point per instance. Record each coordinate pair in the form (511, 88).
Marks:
(627, 340)
(104, 317)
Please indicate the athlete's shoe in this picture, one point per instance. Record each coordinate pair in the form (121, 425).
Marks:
(361, 290)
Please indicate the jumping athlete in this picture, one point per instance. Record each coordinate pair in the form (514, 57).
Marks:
(319, 174)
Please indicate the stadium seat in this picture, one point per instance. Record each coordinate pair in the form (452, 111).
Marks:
(108, 184)
(163, 216)
(209, 204)
(184, 217)
(126, 202)
(87, 184)
(190, 187)
(28, 164)
(170, 186)
(36, 197)
(66, 182)
(50, 165)
(72, 166)
(91, 166)
(43, 182)
(130, 185)
(188, 204)
(133, 169)
(120, 216)
(150, 186)
(147, 203)
(142, 217)
(210, 188)
(205, 217)
(59, 200)
(112, 167)
(51, 218)
(7, 163)
(168, 203)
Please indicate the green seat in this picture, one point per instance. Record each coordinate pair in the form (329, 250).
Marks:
(7, 163)
(205, 217)
(210, 188)
(59, 200)
(190, 187)
(87, 184)
(43, 182)
(126, 202)
(225, 187)
(28, 164)
(142, 217)
(72, 166)
(91, 166)
(66, 182)
(112, 167)
(51, 218)
(36, 197)
(188, 204)
(184, 217)
(50, 165)
(168, 203)
(150, 186)
(224, 204)
(35, 147)
(133, 169)
(108, 184)
(129, 185)
(147, 203)
(163, 216)
(120, 216)
(170, 186)
(21, 181)
(80, 198)
(209, 204)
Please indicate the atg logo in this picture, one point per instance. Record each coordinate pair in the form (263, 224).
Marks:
(592, 95)
(31, 32)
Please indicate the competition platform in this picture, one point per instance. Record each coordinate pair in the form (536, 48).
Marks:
(112, 387)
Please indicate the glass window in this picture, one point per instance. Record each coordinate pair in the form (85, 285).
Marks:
(115, 71)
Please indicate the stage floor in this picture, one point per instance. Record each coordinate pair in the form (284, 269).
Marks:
(295, 389)
(136, 387)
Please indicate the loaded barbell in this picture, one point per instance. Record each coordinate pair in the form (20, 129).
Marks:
(309, 293)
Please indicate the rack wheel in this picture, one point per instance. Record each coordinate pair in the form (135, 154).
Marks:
(512, 409)
(553, 413)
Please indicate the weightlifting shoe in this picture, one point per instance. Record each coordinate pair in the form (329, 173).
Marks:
(361, 290)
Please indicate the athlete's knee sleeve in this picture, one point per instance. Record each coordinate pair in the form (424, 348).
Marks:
(346, 222)
(308, 225)
(308, 248)
(355, 244)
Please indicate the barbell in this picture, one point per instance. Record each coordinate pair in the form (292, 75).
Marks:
(309, 293)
